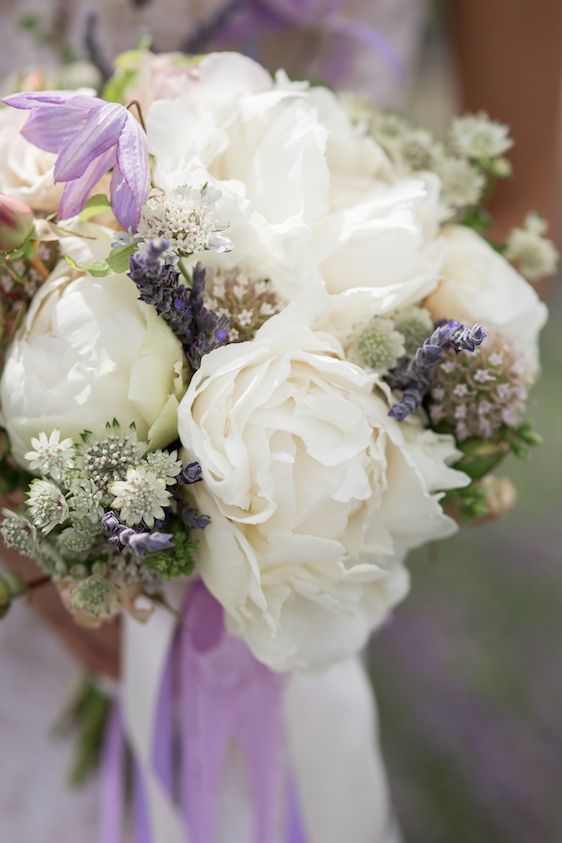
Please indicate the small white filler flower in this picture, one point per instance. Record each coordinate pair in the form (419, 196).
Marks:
(50, 456)
(140, 498)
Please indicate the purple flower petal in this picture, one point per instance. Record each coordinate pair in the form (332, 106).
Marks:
(123, 201)
(52, 127)
(37, 99)
(132, 161)
(76, 192)
(102, 130)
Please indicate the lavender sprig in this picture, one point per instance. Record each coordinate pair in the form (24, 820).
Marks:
(159, 284)
(139, 542)
(413, 377)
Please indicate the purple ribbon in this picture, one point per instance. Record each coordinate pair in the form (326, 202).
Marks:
(224, 697)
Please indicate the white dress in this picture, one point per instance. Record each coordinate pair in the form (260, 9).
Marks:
(36, 673)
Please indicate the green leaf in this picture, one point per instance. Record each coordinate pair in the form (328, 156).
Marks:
(96, 205)
(480, 457)
(116, 262)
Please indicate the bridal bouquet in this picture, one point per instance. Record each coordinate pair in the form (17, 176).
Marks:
(255, 347)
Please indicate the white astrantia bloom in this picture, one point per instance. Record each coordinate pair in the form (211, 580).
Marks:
(164, 465)
(187, 219)
(89, 351)
(46, 505)
(478, 137)
(528, 248)
(376, 345)
(478, 285)
(315, 494)
(140, 498)
(462, 184)
(50, 456)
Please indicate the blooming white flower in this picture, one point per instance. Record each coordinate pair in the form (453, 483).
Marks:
(86, 501)
(528, 248)
(18, 533)
(87, 352)
(50, 456)
(478, 137)
(307, 481)
(46, 505)
(479, 285)
(376, 345)
(307, 193)
(164, 465)
(140, 497)
(187, 219)
(462, 184)
(26, 172)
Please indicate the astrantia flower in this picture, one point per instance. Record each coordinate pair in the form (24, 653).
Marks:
(165, 465)
(77, 540)
(140, 497)
(187, 219)
(18, 533)
(530, 250)
(415, 324)
(90, 137)
(86, 500)
(377, 345)
(50, 456)
(461, 183)
(477, 394)
(108, 458)
(477, 137)
(414, 150)
(247, 302)
(46, 505)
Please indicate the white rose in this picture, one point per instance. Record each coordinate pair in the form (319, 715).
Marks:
(479, 285)
(88, 352)
(306, 178)
(315, 494)
(26, 171)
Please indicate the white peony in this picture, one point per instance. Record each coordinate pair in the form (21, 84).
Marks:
(315, 494)
(299, 180)
(26, 171)
(88, 352)
(477, 284)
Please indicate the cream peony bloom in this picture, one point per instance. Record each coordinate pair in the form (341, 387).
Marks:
(303, 177)
(26, 171)
(315, 494)
(88, 352)
(479, 285)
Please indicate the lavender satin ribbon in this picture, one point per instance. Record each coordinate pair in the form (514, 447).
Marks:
(224, 697)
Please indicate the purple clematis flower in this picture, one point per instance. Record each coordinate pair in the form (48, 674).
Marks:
(90, 137)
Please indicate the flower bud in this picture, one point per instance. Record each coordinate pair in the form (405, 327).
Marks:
(16, 223)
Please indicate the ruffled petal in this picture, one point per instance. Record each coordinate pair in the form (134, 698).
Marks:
(77, 191)
(101, 131)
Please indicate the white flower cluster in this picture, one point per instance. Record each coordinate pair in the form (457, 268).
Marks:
(187, 219)
(316, 494)
(471, 153)
(528, 248)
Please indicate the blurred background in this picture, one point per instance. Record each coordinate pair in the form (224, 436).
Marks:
(467, 674)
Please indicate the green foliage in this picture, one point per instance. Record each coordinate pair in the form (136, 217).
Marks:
(176, 561)
(468, 504)
(116, 262)
(86, 716)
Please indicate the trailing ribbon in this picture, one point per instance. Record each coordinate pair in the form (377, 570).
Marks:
(209, 685)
